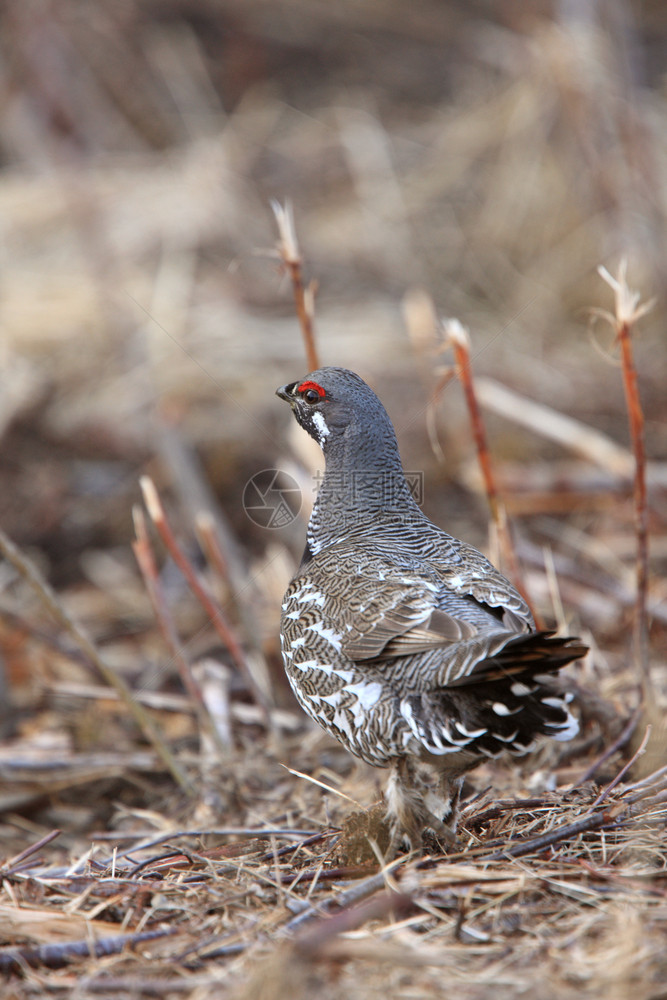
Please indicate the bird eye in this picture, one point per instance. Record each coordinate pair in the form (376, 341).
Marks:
(311, 392)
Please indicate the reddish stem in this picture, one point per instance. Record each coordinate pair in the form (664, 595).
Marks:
(288, 251)
(636, 419)
(144, 556)
(498, 513)
(157, 515)
(464, 372)
(303, 312)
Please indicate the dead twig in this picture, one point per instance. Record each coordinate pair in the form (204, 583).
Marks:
(304, 297)
(628, 311)
(586, 824)
(145, 558)
(618, 744)
(351, 897)
(313, 940)
(501, 807)
(144, 986)
(158, 516)
(14, 864)
(458, 338)
(56, 956)
(591, 821)
(208, 539)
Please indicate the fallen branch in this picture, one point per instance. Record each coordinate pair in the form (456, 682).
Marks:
(351, 897)
(586, 824)
(313, 940)
(56, 956)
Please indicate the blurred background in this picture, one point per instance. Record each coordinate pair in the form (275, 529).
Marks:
(463, 158)
(488, 155)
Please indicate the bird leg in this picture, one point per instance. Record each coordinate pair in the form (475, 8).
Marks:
(450, 790)
(407, 811)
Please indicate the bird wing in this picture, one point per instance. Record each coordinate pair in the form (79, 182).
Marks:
(392, 635)
(472, 575)
(395, 614)
(460, 570)
(389, 612)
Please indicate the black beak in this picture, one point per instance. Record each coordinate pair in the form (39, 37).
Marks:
(286, 392)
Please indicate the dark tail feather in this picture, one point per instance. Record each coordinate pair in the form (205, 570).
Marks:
(530, 654)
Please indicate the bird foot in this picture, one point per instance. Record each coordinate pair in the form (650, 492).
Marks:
(414, 810)
(421, 832)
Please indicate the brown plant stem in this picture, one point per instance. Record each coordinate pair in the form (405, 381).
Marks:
(304, 297)
(458, 337)
(215, 557)
(636, 419)
(627, 311)
(158, 516)
(146, 561)
(145, 558)
(593, 821)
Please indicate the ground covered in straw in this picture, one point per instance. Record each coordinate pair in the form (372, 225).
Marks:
(170, 823)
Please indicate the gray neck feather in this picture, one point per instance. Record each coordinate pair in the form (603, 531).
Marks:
(363, 481)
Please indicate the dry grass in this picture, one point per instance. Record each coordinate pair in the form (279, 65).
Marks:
(146, 323)
(270, 911)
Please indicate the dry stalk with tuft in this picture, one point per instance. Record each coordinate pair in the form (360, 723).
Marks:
(628, 310)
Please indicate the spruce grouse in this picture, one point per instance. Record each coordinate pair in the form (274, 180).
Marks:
(402, 642)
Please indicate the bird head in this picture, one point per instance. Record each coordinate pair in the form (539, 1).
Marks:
(329, 402)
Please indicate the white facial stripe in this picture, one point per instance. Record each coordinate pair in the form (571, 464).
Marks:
(322, 429)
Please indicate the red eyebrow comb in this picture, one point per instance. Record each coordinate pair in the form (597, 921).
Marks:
(312, 385)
